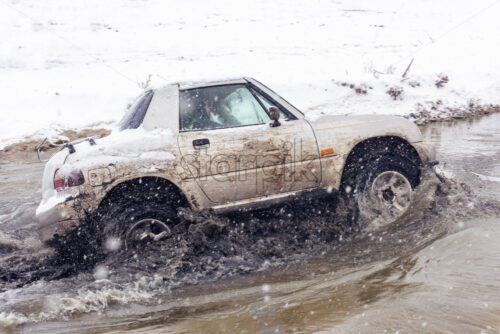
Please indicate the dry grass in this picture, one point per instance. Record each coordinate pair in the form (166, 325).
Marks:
(442, 80)
(26, 149)
(396, 92)
(435, 111)
(361, 89)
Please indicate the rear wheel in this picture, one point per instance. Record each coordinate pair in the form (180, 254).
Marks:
(137, 224)
(146, 231)
(139, 215)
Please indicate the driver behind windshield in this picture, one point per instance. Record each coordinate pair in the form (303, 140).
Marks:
(202, 109)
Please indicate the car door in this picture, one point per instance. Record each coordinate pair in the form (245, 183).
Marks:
(228, 147)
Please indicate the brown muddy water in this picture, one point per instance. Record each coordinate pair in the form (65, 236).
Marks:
(436, 272)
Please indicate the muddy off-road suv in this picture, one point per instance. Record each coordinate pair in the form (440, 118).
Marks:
(225, 145)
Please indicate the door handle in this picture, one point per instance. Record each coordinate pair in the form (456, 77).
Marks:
(200, 143)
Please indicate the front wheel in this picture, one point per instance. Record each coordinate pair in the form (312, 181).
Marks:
(381, 192)
(387, 200)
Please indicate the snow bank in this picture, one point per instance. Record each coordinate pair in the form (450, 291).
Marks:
(79, 63)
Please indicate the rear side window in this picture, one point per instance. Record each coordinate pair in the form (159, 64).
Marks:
(135, 115)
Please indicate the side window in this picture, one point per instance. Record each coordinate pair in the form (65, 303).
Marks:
(219, 107)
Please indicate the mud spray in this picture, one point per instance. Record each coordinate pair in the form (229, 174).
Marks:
(206, 247)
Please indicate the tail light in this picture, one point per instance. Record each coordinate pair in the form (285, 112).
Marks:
(59, 180)
(68, 179)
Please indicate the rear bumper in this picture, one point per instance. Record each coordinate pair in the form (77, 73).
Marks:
(426, 151)
(56, 219)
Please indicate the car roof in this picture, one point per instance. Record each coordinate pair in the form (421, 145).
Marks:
(165, 101)
(210, 82)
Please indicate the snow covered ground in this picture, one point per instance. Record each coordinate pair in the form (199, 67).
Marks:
(72, 64)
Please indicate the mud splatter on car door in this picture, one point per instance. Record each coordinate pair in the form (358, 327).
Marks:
(231, 151)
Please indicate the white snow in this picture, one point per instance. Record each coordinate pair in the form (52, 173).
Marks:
(79, 63)
(153, 148)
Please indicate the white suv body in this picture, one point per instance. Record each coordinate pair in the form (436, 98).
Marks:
(228, 158)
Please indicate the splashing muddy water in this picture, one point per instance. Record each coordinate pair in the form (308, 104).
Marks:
(285, 270)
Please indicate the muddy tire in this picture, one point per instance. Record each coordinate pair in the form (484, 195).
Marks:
(380, 191)
(137, 225)
(136, 221)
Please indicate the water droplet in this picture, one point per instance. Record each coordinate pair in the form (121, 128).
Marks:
(101, 272)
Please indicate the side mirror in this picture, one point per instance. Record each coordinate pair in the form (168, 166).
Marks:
(274, 114)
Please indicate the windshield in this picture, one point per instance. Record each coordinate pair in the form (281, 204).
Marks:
(135, 114)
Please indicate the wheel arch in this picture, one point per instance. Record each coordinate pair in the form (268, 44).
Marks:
(374, 146)
(133, 187)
